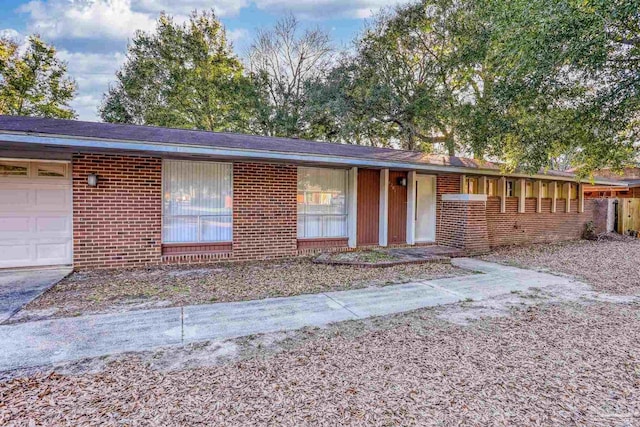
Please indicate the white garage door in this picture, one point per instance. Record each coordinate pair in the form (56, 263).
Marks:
(35, 213)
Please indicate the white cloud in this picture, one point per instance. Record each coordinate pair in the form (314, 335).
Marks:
(93, 73)
(85, 19)
(326, 9)
(237, 35)
(185, 7)
(10, 33)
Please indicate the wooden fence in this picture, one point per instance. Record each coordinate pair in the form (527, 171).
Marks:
(628, 215)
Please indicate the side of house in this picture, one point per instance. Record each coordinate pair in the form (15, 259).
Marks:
(100, 203)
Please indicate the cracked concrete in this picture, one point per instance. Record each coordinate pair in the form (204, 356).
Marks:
(53, 341)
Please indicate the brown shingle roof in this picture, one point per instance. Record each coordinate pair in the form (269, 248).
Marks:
(162, 135)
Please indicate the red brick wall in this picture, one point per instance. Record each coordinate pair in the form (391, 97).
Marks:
(118, 223)
(463, 224)
(513, 228)
(265, 211)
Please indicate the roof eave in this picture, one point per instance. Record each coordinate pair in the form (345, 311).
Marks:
(237, 153)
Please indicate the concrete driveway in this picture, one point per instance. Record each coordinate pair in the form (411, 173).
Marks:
(58, 340)
(19, 287)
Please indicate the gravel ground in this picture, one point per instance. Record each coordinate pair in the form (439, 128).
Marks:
(118, 290)
(545, 364)
(610, 265)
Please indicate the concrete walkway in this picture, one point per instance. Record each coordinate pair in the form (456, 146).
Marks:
(50, 341)
(20, 287)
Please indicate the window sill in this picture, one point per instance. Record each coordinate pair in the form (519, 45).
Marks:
(323, 242)
(195, 248)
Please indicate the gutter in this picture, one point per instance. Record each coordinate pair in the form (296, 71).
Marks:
(240, 153)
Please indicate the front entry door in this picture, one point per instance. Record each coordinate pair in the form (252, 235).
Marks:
(425, 208)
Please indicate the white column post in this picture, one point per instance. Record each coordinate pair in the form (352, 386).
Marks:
(463, 187)
(580, 198)
(553, 189)
(522, 197)
(567, 193)
(411, 207)
(502, 189)
(537, 190)
(482, 183)
(352, 208)
(384, 207)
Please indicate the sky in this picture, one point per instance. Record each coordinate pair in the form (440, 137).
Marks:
(91, 35)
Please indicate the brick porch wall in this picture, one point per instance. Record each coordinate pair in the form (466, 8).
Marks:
(118, 223)
(513, 228)
(478, 227)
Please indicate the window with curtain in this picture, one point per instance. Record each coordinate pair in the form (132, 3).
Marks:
(322, 203)
(198, 202)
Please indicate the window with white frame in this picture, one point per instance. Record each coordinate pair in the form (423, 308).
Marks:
(322, 203)
(197, 202)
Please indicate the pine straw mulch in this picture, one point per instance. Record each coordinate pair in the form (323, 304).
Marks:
(546, 365)
(609, 265)
(117, 290)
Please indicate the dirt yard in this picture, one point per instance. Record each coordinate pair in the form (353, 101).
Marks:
(539, 358)
(552, 365)
(611, 265)
(118, 290)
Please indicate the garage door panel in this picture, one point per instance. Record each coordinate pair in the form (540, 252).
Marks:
(51, 252)
(12, 251)
(10, 198)
(14, 224)
(53, 224)
(35, 221)
(51, 198)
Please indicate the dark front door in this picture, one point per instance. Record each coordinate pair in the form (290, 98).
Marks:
(397, 208)
(368, 206)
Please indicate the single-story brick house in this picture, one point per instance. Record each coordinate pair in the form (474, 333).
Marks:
(100, 195)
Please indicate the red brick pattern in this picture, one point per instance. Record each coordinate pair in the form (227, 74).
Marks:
(463, 225)
(513, 228)
(265, 211)
(119, 222)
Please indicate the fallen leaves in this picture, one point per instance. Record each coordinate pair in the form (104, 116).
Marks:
(121, 290)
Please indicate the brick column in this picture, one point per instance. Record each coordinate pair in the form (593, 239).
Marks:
(462, 222)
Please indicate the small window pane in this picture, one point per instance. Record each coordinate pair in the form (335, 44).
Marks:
(215, 228)
(510, 189)
(14, 168)
(181, 229)
(52, 170)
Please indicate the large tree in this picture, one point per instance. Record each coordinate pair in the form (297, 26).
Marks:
(182, 75)
(33, 81)
(283, 60)
(569, 81)
(416, 72)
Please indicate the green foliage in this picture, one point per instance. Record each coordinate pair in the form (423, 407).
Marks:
(34, 82)
(183, 76)
(570, 81)
(535, 84)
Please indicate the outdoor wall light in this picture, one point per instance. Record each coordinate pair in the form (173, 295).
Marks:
(92, 180)
(402, 182)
